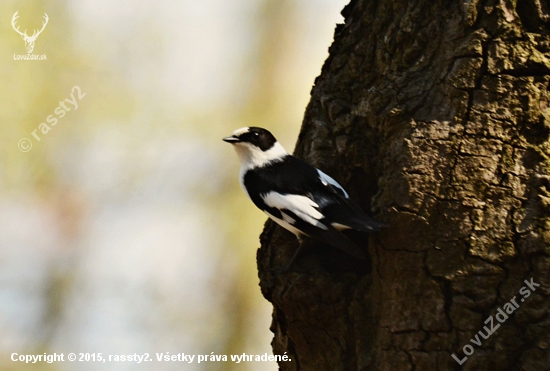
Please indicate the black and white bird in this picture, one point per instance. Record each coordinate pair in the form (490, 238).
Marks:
(297, 196)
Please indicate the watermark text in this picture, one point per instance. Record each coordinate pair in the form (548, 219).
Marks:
(59, 112)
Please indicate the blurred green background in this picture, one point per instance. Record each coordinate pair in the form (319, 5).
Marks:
(123, 229)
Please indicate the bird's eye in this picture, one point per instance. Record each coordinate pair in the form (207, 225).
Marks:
(255, 135)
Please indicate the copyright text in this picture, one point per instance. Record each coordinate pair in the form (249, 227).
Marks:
(146, 357)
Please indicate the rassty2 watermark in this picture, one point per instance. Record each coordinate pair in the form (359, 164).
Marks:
(29, 40)
(25, 144)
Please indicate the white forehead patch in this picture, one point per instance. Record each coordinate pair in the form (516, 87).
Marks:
(241, 131)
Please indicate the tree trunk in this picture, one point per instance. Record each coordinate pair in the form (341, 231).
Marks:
(435, 117)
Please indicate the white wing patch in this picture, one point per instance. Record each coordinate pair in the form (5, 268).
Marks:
(302, 206)
(326, 180)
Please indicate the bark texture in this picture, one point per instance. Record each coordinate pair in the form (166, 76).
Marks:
(435, 117)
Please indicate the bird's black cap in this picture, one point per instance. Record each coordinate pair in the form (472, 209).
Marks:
(259, 137)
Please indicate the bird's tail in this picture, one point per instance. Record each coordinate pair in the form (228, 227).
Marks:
(337, 239)
(350, 215)
(367, 224)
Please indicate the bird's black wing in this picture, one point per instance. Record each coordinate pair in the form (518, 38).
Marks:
(343, 211)
(339, 209)
(309, 200)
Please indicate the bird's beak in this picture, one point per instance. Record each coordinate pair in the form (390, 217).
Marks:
(232, 139)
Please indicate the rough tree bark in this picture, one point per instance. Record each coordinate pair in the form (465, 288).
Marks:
(435, 116)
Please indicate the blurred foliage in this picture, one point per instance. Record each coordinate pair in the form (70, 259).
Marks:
(31, 90)
(264, 106)
(135, 130)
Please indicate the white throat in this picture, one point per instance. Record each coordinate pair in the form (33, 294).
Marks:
(251, 156)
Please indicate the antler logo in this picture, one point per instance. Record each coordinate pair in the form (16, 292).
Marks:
(29, 40)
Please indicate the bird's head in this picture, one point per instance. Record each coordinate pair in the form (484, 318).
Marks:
(256, 147)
